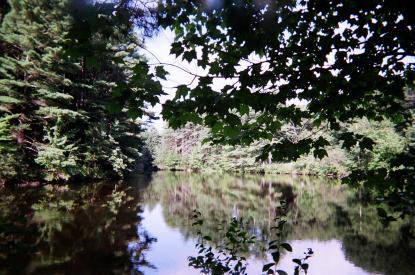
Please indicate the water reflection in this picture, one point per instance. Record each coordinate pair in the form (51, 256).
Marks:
(322, 214)
(144, 226)
(82, 230)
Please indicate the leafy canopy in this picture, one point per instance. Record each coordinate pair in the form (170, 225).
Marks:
(345, 59)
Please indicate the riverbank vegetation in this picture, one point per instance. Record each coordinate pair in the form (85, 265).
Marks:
(186, 149)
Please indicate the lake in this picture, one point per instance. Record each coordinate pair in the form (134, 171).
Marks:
(144, 225)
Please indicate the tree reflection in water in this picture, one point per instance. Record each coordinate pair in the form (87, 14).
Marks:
(318, 210)
(89, 230)
(98, 228)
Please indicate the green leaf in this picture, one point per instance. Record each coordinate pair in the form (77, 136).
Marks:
(243, 109)
(267, 267)
(134, 112)
(349, 140)
(273, 246)
(189, 56)
(176, 48)
(182, 91)
(287, 247)
(160, 72)
(297, 261)
(317, 122)
(217, 127)
(233, 120)
(231, 132)
(281, 272)
(320, 153)
(276, 256)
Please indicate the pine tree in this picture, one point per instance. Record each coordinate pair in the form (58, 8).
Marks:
(71, 85)
(31, 82)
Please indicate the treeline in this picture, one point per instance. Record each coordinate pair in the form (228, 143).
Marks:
(184, 149)
(67, 69)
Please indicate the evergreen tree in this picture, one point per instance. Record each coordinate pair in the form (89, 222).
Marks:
(32, 83)
(72, 85)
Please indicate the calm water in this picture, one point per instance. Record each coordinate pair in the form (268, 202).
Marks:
(143, 226)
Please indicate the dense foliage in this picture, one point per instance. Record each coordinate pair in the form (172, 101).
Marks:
(67, 69)
(346, 60)
(184, 149)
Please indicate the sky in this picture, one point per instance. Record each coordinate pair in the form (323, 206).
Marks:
(157, 50)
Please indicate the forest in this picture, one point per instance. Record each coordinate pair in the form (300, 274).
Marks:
(320, 89)
(185, 149)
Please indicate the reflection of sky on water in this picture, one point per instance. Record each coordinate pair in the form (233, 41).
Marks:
(169, 254)
(328, 259)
